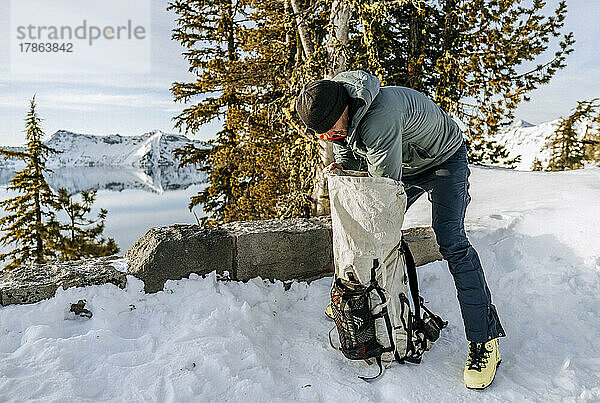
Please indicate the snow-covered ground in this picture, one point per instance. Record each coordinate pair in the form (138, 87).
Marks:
(206, 340)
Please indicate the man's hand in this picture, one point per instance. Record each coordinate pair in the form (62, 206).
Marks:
(334, 165)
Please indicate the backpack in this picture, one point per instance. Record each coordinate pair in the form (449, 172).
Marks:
(373, 264)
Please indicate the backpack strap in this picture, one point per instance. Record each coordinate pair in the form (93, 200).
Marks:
(372, 378)
(384, 311)
(374, 286)
(414, 349)
(413, 282)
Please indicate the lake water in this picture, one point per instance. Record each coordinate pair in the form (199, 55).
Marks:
(136, 200)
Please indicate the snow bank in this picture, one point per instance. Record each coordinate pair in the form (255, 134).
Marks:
(204, 340)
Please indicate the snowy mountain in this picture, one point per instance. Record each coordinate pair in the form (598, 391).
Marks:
(152, 149)
(207, 340)
(528, 140)
(155, 149)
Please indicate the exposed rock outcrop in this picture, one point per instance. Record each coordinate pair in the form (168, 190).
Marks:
(272, 249)
(29, 284)
(176, 251)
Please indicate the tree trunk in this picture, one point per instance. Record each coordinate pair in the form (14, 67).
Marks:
(72, 229)
(39, 247)
(415, 48)
(338, 40)
(307, 45)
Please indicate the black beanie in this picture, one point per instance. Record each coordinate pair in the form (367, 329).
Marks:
(321, 103)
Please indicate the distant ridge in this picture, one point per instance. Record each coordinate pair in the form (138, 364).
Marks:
(521, 123)
(155, 149)
(529, 140)
(149, 150)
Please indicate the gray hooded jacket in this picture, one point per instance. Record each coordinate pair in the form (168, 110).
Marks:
(399, 131)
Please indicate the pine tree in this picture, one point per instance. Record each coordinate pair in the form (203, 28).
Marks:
(245, 53)
(537, 165)
(32, 227)
(252, 57)
(468, 55)
(28, 225)
(210, 33)
(81, 237)
(591, 138)
(565, 143)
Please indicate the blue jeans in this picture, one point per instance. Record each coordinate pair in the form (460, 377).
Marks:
(448, 188)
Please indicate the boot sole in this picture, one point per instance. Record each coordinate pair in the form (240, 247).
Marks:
(483, 387)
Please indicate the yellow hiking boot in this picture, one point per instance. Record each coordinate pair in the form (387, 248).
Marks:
(481, 365)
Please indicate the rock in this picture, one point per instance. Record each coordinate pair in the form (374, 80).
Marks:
(33, 283)
(176, 251)
(273, 249)
(421, 241)
(79, 309)
(296, 248)
(422, 244)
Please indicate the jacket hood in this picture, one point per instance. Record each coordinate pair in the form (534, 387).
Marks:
(362, 85)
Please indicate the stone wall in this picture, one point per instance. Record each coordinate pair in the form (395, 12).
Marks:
(29, 284)
(272, 249)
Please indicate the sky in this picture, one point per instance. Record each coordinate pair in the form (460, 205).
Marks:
(118, 101)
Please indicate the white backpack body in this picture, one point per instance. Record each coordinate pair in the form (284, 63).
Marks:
(367, 215)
